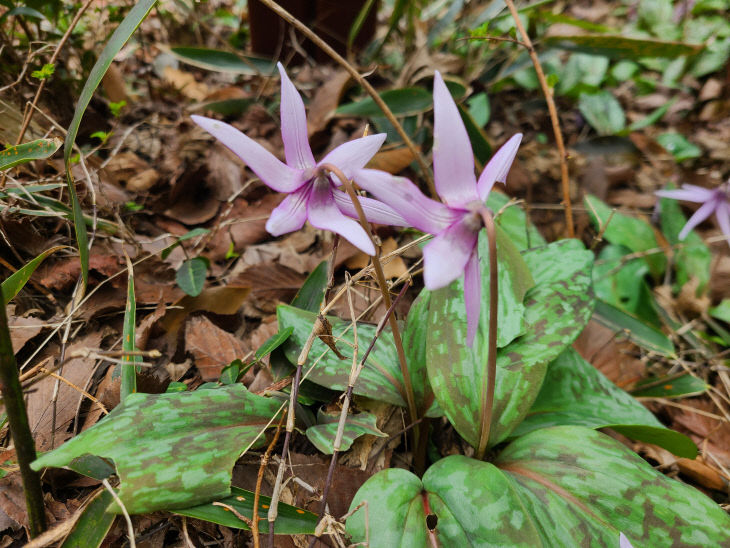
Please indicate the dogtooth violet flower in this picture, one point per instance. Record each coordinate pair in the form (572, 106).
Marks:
(456, 222)
(712, 200)
(312, 191)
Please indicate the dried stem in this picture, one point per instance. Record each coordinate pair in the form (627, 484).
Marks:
(309, 33)
(553, 118)
(259, 481)
(487, 403)
(354, 373)
(12, 395)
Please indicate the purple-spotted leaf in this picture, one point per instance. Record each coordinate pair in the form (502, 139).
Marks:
(575, 392)
(557, 309)
(322, 435)
(172, 450)
(560, 486)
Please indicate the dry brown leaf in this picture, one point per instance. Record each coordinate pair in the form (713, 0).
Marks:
(394, 267)
(393, 161)
(212, 347)
(225, 300)
(143, 181)
(185, 83)
(326, 100)
(22, 329)
(698, 471)
(270, 283)
(62, 274)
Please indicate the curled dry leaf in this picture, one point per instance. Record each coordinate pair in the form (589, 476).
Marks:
(212, 347)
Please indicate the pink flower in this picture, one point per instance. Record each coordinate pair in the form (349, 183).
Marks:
(312, 191)
(457, 222)
(713, 201)
(623, 541)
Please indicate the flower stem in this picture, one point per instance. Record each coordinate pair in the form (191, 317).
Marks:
(487, 403)
(12, 395)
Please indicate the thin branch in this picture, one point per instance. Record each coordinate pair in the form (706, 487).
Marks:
(259, 481)
(565, 179)
(309, 33)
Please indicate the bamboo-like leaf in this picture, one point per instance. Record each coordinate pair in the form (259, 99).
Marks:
(120, 36)
(17, 280)
(622, 47)
(34, 150)
(223, 61)
(634, 329)
(127, 368)
(172, 450)
(310, 295)
(575, 392)
(93, 525)
(559, 486)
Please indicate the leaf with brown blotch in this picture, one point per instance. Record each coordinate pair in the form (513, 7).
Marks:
(212, 347)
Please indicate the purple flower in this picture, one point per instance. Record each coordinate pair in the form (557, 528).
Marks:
(623, 541)
(312, 191)
(455, 224)
(713, 201)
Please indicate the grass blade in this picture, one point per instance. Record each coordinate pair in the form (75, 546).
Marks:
(128, 369)
(117, 40)
(16, 281)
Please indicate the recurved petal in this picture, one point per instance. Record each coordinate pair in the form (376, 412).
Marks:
(472, 296)
(323, 213)
(294, 125)
(453, 159)
(375, 211)
(353, 155)
(269, 169)
(723, 219)
(700, 215)
(688, 193)
(498, 166)
(407, 200)
(290, 214)
(445, 256)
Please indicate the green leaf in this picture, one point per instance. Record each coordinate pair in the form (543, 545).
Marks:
(634, 329)
(513, 220)
(721, 311)
(223, 61)
(12, 285)
(230, 373)
(559, 486)
(310, 296)
(575, 392)
(670, 387)
(191, 275)
(402, 102)
(322, 436)
(678, 146)
(127, 369)
(621, 47)
(120, 36)
(93, 525)
(415, 334)
(556, 310)
(290, 521)
(652, 118)
(172, 450)
(479, 108)
(633, 233)
(480, 145)
(603, 112)
(274, 342)
(21, 154)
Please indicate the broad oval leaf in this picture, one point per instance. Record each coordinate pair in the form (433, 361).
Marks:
(575, 392)
(557, 308)
(322, 435)
(191, 275)
(172, 450)
(603, 112)
(560, 486)
(34, 150)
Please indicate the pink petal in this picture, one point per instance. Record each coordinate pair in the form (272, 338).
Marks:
(498, 166)
(623, 542)
(324, 214)
(688, 193)
(375, 211)
(294, 125)
(453, 159)
(472, 296)
(700, 215)
(353, 155)
(723, 218)
(290, 214)
(265, 165)
(407, 200)
(446, 255)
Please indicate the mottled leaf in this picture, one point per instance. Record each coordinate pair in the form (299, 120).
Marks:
(34, 150)
(291, 520)
(559, 486)
(557, 309)
(575, 392)
(172, 450)
(633, 233)
(322, 435)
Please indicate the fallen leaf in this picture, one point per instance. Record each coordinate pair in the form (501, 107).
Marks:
(185, 83)
(22, 329)
(394, 267)
(212, 347)
(223, 300)
(326, 100)
(270, 283)
(393, 161)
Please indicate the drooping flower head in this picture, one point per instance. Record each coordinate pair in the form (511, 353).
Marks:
(714, 201)
(456, 222)
(312, 191)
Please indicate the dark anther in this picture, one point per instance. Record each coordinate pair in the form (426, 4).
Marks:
(431, 521)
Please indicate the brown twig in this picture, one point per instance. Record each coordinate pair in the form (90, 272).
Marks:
(309, 33)
(259, 481)
(553, 118)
